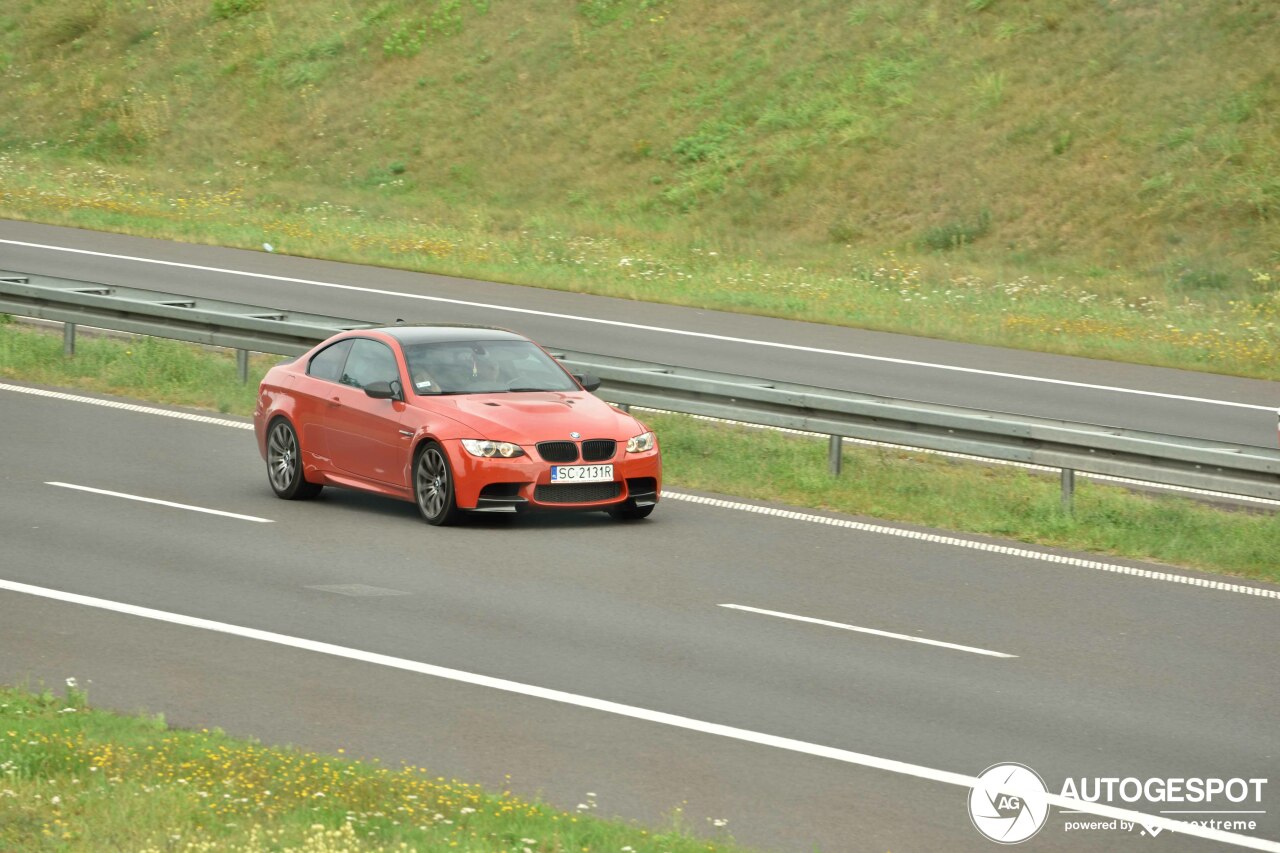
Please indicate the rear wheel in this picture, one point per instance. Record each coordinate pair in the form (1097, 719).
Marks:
(284, 464)
(433, 486)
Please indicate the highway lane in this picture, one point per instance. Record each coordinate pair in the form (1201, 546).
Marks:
(1113, 676)
(1190, 403)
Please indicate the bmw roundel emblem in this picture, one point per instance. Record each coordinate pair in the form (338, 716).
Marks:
(575, 435)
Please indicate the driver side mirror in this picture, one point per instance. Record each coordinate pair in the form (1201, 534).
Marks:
(587, 381)
(384, 390)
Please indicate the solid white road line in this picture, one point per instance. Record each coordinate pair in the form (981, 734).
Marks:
(141, 499)
(874, 631)
(645, 328)
(631, 711)
(740, 506)
(126, 407)
(970, 457)
(188, 416)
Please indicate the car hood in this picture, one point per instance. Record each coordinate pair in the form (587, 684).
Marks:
(533, 416)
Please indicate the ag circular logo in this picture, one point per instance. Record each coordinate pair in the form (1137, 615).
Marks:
(1008, 805)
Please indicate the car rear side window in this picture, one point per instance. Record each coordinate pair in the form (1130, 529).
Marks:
(369, 361)
(327, 364)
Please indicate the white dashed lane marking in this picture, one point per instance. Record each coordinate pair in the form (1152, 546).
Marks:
(739, 506)
(158, 502)
(873, 631)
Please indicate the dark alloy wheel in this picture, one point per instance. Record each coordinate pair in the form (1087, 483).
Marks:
(284, 464)
(433, 486)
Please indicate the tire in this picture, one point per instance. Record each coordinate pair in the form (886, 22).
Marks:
(284, 464)
(433, 486)
(631, 512)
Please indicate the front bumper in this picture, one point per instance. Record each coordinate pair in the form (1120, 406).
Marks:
(492, 484)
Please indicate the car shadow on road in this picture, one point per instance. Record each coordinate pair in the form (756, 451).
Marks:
(351, 501)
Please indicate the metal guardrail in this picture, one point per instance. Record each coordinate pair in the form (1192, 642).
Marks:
(1151, 457)
(1071, 447)
(234, 325)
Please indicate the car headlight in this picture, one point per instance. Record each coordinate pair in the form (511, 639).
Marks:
(641, 443)
(483, 447)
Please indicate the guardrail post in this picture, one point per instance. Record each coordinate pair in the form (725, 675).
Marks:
(835, 454)
(1068, 489)
(242, 364)
(68, 339)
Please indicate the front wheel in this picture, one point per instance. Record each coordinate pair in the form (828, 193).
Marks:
(433, 486)
(284, 464)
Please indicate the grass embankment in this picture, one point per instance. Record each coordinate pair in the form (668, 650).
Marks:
(1093, 179)
(906, 486)
(73, 778)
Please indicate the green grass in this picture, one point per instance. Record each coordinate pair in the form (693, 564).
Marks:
(902, 486)
(73, 778)
(153, 368)
(949, 170)
(925, 489)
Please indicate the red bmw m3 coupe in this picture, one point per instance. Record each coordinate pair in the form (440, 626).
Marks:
(453, 418)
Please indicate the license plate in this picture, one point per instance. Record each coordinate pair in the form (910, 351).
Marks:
(581, 473)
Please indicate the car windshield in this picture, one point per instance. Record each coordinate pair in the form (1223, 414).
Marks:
(483, 367)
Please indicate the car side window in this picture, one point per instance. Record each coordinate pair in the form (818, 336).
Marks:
(327, 364)
(369, 361)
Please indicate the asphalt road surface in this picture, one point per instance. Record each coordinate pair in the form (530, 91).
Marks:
(1229, 409)
(576, 654)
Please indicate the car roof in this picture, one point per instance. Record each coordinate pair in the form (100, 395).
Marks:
(424, 334)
